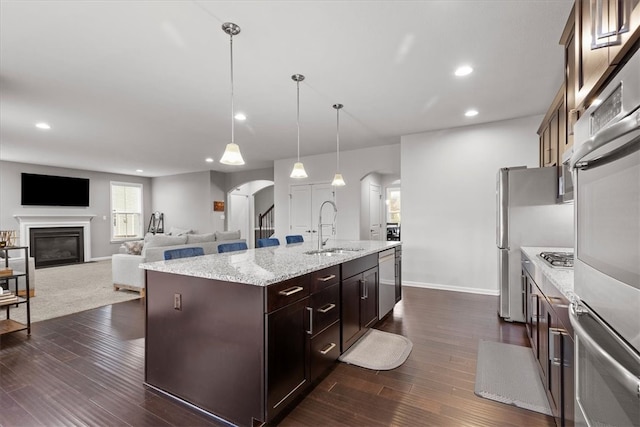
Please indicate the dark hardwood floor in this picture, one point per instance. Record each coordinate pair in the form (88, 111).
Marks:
(87, 369)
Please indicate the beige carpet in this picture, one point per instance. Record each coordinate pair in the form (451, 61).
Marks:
(70, 289)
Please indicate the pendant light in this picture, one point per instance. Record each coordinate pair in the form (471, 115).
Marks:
(298, 168)
(232, 154)
(338, 181)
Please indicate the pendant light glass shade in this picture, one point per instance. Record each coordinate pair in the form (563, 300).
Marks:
(338, 181)
(231, 154)
(298, 168)
(298, 171)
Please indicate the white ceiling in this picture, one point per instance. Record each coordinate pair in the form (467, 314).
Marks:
(129, 85)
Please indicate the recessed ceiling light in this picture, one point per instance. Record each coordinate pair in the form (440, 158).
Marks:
(208, 160)
(471, 113)
(463, 70)
(43, 125)
(139, 170)
(240, 117)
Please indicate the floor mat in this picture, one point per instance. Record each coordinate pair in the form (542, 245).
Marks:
(508, 373)
(378, 350)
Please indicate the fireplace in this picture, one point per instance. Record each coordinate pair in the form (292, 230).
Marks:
(52, 246)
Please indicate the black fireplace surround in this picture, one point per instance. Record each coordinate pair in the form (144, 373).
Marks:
(53, 246)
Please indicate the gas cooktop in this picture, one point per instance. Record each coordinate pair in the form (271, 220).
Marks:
(558, 259)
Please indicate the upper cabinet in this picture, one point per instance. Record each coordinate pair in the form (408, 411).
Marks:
(552, 132)
(606, 31)
(598, 36)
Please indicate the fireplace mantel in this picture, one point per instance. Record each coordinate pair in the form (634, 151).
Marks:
(28, 221)
(53, 217)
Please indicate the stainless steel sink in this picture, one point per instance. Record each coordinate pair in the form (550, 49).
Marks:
(333, 251)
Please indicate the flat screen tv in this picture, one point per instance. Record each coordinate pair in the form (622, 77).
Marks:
(49, 190)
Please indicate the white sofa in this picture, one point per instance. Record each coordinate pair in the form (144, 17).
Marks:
(127, 274)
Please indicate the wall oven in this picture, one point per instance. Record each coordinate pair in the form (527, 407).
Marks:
(606, 315)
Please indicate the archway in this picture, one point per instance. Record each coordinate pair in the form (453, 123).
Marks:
(245, 203)
(379, 193)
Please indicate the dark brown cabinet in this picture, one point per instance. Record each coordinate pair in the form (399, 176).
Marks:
(324, 316)
(552, 132)
(359, 298)
(287, 358)
(551, 338)
(598, 36)
(303, 336)
(607, 31)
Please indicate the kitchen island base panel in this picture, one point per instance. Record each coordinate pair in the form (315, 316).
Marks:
(225, 379)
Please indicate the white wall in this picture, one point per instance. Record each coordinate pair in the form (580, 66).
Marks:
(448, 201)
(185, 201)
(354, 165)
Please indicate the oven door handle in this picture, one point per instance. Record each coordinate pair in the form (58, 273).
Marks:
(626, 378)
(605, 136)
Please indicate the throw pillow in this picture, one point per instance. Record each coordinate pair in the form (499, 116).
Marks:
(200, 238)
(164, 240)
(135, 247)
(227, 235)
(175, 231)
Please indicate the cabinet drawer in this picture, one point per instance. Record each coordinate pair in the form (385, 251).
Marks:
(326, 308)
(357, 266)
(325, 350)
(287, 292)
(324, 278)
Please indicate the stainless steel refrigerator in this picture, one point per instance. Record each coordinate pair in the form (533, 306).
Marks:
(527, 215)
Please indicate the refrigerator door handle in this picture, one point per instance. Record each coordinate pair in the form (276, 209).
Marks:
(502, 195)
(503, 279)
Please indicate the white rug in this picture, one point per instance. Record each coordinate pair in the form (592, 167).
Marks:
(70, 289)
(378, 350)
(508, 373)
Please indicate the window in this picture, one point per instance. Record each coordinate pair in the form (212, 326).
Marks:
(393, 205)
(126, 211)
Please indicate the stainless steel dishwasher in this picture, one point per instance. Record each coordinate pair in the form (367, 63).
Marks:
(387, 281)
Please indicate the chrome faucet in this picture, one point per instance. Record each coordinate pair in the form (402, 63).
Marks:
(320, 224)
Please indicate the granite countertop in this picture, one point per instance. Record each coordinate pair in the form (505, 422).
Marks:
(266, 266)
(560, 277)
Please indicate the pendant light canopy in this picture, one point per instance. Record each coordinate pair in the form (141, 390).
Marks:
(298, 168)
(232, 154)
(338, 181)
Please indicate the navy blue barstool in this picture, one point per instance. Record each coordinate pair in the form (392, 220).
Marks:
(183, 253)
(294, 238)
(262, 243)
(231, 247)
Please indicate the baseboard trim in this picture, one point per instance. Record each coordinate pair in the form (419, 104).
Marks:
(451, 288)
(102, 258)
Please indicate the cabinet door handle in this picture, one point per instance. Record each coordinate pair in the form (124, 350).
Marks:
(554, 332)
(621, 24)
(328, 348)
(326, 308)
(327, 278)
(291, 291)
(363, 287)
(310, 310)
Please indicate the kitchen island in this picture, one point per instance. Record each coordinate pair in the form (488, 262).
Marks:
(243, 335)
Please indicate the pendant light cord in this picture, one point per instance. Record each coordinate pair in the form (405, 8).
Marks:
(232, 120)
(298, 117)
(338, 141)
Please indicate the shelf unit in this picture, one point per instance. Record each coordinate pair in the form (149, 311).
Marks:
(10, 282)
